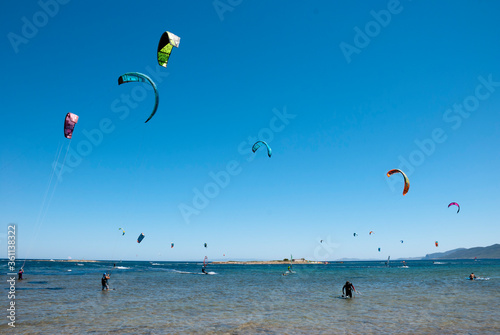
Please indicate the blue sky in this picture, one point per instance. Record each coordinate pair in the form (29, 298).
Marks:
(343, 91)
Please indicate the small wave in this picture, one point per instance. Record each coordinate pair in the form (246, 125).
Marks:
(79, 264)
(122, 267)
(439, 263)
(70, 270)
(184, 272)
(155, 264)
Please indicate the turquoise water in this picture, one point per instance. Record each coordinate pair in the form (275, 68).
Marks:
(175, 298)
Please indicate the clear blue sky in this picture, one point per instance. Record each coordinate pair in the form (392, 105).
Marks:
(343, 91)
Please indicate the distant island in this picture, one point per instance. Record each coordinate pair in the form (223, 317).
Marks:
(491, 252)
(284, 261)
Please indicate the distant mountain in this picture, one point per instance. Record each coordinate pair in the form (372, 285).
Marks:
(492, 252)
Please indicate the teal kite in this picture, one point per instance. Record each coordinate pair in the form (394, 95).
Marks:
(130, 77)
(258, 144)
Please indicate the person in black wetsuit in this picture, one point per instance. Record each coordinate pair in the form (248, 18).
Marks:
(472, 276)
(104, 282)
(348, 288)
(20, 274)
(203, 270)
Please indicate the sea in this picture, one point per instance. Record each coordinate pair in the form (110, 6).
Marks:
(427, 297)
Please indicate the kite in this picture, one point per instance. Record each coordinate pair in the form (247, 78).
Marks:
(371, 232)
(258, 144)
(171, 245)
(140, 238)
(205, 245)
(378, 249)
(354, 234)
(401, 241)
(123, 231)
(69, 124)
(130, 77)
(436, 243)
(407, 182)
(454, 203)
(167, 41)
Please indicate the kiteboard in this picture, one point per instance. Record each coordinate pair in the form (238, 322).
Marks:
(343, 297)
(477, 278)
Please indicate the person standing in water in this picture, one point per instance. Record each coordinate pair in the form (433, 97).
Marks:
(472, 276)
(348, 288)
(104, 281)
(20, 274)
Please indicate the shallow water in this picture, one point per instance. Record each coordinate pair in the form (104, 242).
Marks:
(175, 298)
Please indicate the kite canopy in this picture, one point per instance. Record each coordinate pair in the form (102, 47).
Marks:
(171, 245)
(454, 203)
(130, 77)
(378, 249)
(436, 243)
(407, 182)
(371, 232)
(123, 231)
(140, 238)
(354, 234)
(205, 245)
(258, 144)
(69, 124)
(401, 241)
(167, 41)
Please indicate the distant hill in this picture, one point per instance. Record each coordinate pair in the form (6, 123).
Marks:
(492, 252)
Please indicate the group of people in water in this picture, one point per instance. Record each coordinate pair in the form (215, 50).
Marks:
(347, 289)
(105, 277)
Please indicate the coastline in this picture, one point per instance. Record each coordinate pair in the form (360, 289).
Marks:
(66, 260)
(295, 261)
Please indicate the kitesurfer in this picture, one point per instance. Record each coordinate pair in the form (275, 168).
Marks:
(104, 281)
(289, 270)
(348, 287)
(203, 270)
(472, 276)
(20, 274)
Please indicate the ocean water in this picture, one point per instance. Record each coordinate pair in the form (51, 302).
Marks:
(175, 298)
